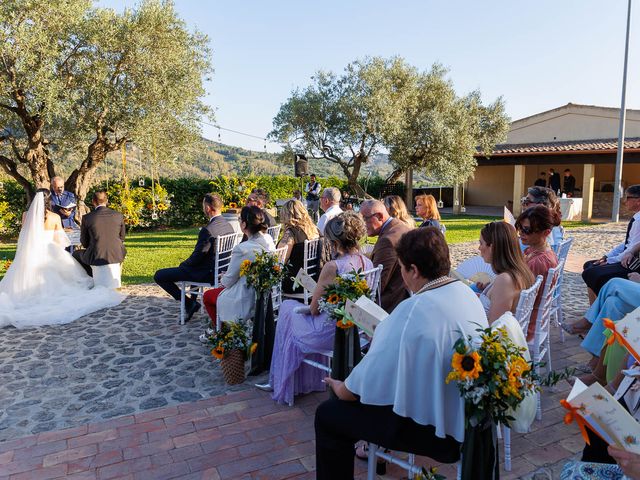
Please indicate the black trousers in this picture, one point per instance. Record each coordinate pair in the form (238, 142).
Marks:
(166, 278)
(79, 256)
(595, 276)
(340, 424)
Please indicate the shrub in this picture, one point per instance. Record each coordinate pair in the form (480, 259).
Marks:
(13, 203)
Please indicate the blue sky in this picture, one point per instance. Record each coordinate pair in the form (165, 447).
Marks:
(538, 54)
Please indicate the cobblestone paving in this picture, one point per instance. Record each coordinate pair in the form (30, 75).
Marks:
(135, 357)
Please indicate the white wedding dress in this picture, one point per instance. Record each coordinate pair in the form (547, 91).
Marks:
(45, 285)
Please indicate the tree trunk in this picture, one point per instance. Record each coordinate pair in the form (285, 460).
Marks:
(80, 179)
(10, 167)
(394, 176)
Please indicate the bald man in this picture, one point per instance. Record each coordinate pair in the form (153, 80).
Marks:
(63, 203)
(389, 230)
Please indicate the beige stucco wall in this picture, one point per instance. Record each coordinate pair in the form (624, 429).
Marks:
(573, 122)
(491, 186)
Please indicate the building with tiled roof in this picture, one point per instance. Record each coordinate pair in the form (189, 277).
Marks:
(582, 138)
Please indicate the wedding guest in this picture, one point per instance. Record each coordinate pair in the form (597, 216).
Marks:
(545, 196)
(330, 204)
(199, 267)
(541, 181)
(312, 192)
(259, 198)
(298, 227)
(598, 272)
(534, 226)
(63, 203)
(499, 248)
(299, 334)
(427, 209)
(396, 397)
(568, 183)
(235, 299)
(297, 195)
(102, 236)
(554, 181)
(389, 230)
(398, 209)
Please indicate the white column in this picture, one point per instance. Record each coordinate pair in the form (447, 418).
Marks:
(518, 188)
(588, 180)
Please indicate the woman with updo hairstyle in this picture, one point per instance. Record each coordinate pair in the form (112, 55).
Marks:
(299, 334)
(235, 299)
(534, 226)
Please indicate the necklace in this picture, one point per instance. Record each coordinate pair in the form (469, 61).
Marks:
(434, 283)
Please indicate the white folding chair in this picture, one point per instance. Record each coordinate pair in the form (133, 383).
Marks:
(409, 464)
(557, 314)
(367, 249)
(275, 232)
(222, 246)
(309, 266)
(276, 291)
(541, 344)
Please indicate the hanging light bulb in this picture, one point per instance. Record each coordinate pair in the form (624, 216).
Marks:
(141, 182)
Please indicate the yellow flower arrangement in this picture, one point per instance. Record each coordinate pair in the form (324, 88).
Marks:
(232, 336)
(244, 267)
(465, 366)
(346, 286)
(218, 352)
(264, 272)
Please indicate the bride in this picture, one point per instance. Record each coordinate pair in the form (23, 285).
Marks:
(45, 285)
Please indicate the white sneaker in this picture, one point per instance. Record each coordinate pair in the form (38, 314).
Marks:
(265, 387)
(204, 338)
(209, 331)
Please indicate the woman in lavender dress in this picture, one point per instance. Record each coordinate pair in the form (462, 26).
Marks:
(298, 334)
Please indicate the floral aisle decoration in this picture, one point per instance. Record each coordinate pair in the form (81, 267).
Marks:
(492, 375)
(6, 263)
(232, 345)
(264, 273)
(347, 286)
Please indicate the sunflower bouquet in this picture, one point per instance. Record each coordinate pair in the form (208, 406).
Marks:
(492, 375)
(232, 336)
(264, 273)
(347, 286)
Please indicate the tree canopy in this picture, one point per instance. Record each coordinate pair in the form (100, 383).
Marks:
(387, 105)
(86, 80)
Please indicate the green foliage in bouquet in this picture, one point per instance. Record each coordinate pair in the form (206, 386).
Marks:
(492, 375)
(264, 273)
(347, 286)
(232, 336)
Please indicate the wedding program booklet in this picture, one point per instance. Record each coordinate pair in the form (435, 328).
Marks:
(304, 279)
(366, 314)
(629, 330)
(605, 416)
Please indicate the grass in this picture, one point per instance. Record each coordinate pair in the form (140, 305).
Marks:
(150, 251)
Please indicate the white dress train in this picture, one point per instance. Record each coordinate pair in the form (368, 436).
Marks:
(45, 285)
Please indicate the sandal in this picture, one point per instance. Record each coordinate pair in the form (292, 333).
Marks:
(571, 329)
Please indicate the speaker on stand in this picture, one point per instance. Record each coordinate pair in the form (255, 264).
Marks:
(301, 168)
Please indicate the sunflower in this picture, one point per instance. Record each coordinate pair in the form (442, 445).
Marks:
(344, 324)
(253, 348)
(244, 267)
(233, 205)
(218, 352)
(276, 268)
(333, 298)
(466, 366)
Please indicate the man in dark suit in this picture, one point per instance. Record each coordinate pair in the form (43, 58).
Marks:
(389, 230)
(199, 266)
(541, 181)
(63, 203)
(102, 235)
(554, 180)
(569, 183)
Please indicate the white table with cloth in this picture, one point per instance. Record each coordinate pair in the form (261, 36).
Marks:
(571, 208)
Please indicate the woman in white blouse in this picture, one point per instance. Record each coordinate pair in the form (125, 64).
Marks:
(396, 396)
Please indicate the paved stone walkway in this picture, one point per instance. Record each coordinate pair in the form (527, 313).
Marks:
(112, 370)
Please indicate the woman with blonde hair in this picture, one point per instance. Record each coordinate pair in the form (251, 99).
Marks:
(499, 247)
(298, 227)
(427, 209)
(397, 209)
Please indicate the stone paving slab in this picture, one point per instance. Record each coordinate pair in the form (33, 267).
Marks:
(106, 374)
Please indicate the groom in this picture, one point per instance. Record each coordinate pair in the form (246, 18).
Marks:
(102, 235)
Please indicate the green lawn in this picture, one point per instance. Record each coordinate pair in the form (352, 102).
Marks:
(150, 251)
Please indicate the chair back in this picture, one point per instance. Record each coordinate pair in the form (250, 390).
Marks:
(276, 291)
(545, 308)
(563, 248)
(310, 263)
(223, 245)
(373, 281)
(367, 249)
(275, 232)
(526, 302)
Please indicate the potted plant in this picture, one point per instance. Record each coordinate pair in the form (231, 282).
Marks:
(233, 347)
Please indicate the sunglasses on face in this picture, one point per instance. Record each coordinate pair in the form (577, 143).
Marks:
(526, 230)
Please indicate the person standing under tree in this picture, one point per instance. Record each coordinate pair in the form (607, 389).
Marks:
(312, 191)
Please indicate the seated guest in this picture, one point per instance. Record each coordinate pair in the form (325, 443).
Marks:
(427, 209)
(297, 195)
(396, 397)
(598, 272)
(259, 198)
(199, 266)
(398, 209)
(330, 205)
(499, 248)
(298, 334)
(298, 227)
(63, 203)
(235, 300)
(540, 195)
(534, 226)
(389, 230)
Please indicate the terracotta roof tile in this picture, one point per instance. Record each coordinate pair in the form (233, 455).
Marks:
(566, 146)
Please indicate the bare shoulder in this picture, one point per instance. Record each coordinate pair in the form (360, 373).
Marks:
(503, 280)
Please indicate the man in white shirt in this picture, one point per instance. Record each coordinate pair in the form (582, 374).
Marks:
(330, 205)
(598, 272)
(312, 192)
